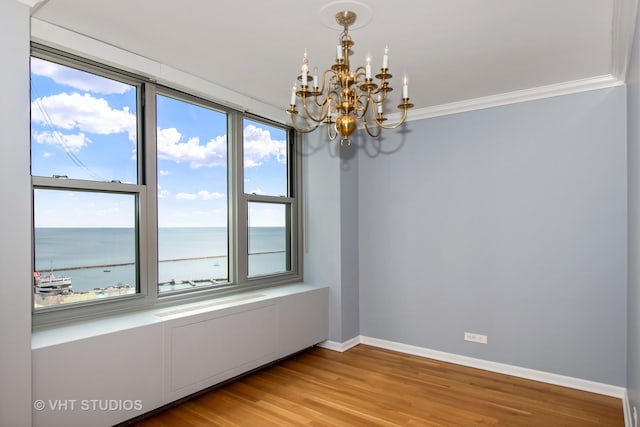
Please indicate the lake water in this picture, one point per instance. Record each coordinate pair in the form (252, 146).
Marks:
(105, 257)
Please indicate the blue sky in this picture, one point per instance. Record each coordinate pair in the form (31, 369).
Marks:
(84, 127)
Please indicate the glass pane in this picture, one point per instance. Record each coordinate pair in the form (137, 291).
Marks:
(85, 246)
(265, 159)
(83, 126)
(192, 196)
(268, 239)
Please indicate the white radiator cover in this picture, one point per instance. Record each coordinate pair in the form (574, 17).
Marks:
(107, 371)
(201, 351)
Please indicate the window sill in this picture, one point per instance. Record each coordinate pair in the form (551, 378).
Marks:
(61, 334)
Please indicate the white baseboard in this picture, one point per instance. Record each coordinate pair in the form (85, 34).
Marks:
(626, 408)
(341, 347)
(516, 371)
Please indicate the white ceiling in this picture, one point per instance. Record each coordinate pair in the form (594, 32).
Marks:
(451, 50)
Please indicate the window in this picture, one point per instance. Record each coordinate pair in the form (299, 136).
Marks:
(144, 194)
(268, 190)
(79, 254)
(193, 246)
(86, 192)
(268, 239)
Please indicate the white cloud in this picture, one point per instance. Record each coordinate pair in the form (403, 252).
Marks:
(206, 195)
(211, 154)
(164, 173)
(47, 154)
(84, 113)
(186, 196)
(77, 79)
(257, 191)
(259, 147)
(72, 143)
(162, 193)
(200, 195)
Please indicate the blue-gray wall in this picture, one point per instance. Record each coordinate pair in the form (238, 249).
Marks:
(633, 303)
(509, 222)
(331, 229)
(349, 243)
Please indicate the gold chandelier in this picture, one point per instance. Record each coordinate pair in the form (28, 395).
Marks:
(349, 96)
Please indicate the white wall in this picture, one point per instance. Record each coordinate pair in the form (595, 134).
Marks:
(15, 227)
(633, 303)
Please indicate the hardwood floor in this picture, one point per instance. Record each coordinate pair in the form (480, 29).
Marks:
(368, 386)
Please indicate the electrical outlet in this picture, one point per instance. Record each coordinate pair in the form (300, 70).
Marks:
(635, 417)
(482, 339)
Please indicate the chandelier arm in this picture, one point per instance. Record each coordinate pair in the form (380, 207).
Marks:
(371, 134)
(366, 122)
(332, 136)
(386, 94)
(395, 125)
(365, 105)
(299, 129)
(325, 85)
(304, 130)
(360, 72)
(319, 104)
(309, 115)
(325, 106)
(378, 91)
(335, 97)
(360, 109)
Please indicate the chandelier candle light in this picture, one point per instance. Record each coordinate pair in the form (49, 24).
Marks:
(350, 96)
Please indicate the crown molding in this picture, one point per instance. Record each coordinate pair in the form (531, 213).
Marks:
(622, 32)
(32, 3)
(566, 88)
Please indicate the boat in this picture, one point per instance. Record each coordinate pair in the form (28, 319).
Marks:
(48, 284)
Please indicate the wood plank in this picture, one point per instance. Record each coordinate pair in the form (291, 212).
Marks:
(370, 386)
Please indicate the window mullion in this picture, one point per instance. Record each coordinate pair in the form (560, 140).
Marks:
(238, 202)
(296, 210)
(149, 205)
